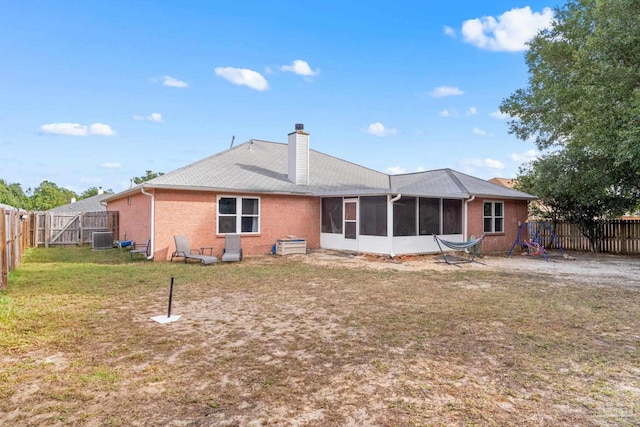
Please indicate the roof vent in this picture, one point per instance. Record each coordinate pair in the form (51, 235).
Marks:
(299, 126)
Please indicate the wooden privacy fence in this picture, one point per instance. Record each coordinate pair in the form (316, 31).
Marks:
(71, 228)
(620, 236)
(14, 240)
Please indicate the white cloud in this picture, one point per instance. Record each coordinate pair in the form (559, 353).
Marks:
(111, 165)
(378, 129)
(479, 163)
(449, 31)
(395, 170)
(173, 82)
(509, 32)
(500, 115)
(76, 129)
(493, 164)
(101, 129)
(443, 91)
(525, 157)
(72, 129)
(153, 117)
(448, 113)
(472, 111)
(301, 68)
(243, 77)
(480, 132)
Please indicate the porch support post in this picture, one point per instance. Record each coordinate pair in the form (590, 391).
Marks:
(390, 202)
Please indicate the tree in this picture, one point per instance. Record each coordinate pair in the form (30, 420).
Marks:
(570, 189)
(48, 195)
(92, 191)
(149, 176)
(582, 107)
(12, 195)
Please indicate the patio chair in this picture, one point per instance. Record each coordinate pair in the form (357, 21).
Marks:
(232, 250)
(184, 251)
(141, 249)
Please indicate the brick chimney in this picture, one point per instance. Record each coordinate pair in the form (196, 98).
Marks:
(299, 156)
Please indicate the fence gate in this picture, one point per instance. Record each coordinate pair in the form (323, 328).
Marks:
(72, 228)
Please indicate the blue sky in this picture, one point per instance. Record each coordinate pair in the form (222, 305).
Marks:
(93, 93)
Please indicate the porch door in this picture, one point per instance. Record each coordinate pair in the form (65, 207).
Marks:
(350, 218)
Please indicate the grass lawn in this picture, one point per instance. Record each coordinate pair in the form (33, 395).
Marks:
(278, 341)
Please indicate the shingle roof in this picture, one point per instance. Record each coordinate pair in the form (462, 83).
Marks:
(8, 207)
(261, 167)
(90, 204)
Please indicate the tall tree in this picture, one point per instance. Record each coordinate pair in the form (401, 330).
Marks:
(12, 195)
(48, 195)
(582, 107)
(570, 189)
(147, 177)
(92, 191)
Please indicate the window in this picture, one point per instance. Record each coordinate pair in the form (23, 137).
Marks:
(429, 214)
(332, 215)
(246, 219)
(493, 217)
(404, 217)
(373, 215)
(451, 216)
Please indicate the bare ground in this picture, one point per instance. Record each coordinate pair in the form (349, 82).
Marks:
(354, 340)
(590, 268)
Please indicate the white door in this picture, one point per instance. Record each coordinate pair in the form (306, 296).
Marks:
(351, 224)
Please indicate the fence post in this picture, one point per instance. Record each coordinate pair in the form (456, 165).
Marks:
(47, 229)
(4, 275)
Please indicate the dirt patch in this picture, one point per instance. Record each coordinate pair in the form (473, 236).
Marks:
(581, 267)
(334, 339)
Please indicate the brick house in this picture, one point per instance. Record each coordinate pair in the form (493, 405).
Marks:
(268, 191)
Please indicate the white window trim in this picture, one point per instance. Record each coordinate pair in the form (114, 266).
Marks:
(493, 216)
(238, 213)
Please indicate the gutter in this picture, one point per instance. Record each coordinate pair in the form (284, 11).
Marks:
(153, 222)
(390, 222)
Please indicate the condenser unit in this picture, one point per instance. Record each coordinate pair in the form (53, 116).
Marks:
(102, 240)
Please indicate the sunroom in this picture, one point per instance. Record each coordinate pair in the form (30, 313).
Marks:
(390, 225)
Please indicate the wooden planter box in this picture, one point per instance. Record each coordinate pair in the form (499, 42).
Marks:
(291, 246)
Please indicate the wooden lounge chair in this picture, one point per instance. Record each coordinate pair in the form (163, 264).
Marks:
(232, 250)
(184, 251)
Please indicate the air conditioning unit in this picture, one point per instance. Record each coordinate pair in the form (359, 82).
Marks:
(102, 240)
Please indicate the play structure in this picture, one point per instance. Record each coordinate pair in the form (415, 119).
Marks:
(471, 247)
(536, 244)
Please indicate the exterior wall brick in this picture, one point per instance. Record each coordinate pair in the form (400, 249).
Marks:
(135, 217)
(515, 213)
(193, 213)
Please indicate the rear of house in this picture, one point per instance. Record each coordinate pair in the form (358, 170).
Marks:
(267, 191)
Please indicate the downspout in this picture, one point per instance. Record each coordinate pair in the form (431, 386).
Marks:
(153, 220)
(466, 216)
(390, 222)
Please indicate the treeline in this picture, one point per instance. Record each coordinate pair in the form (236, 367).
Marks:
(48, 195)
(45, 196)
